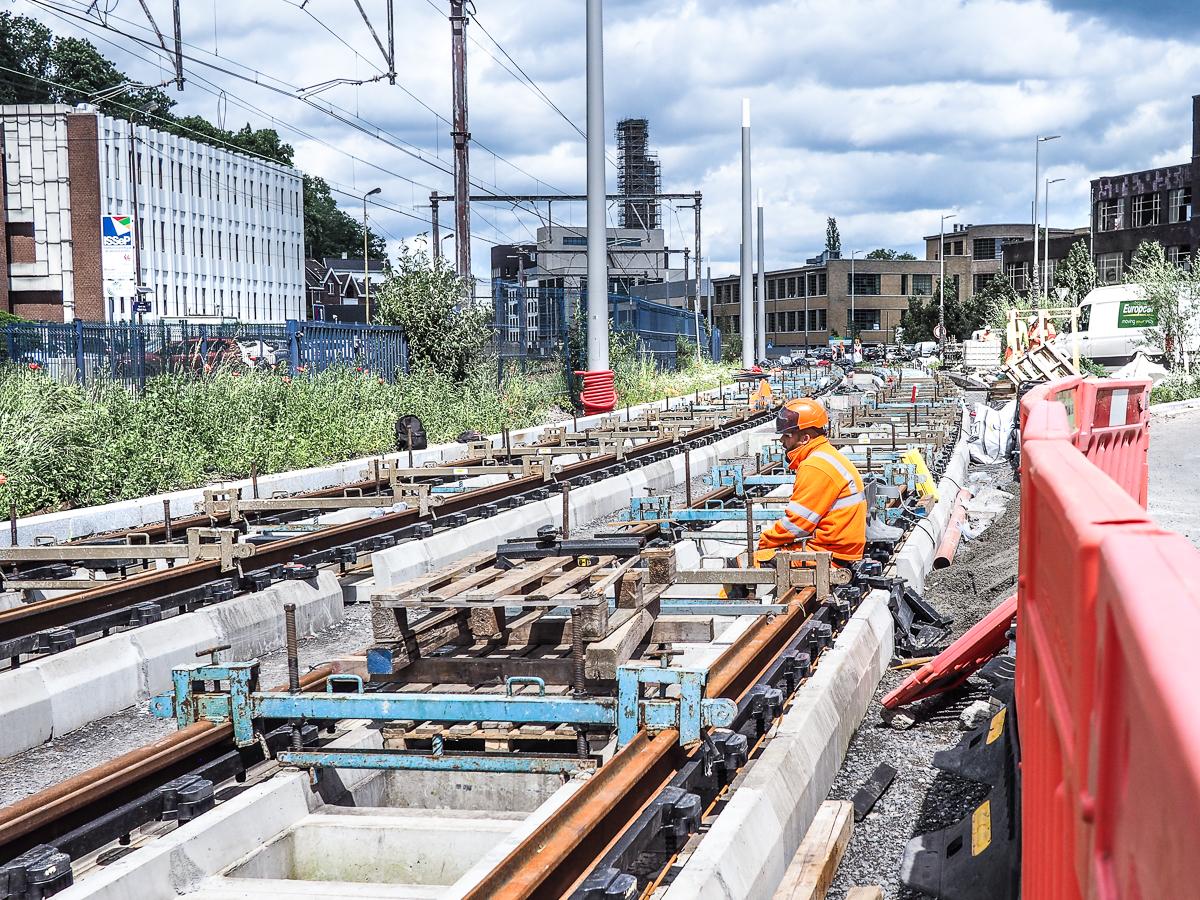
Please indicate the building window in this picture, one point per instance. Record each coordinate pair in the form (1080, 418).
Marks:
(985, 248)
(818, 285)
(922, 285)
(1110, 214)
(864, 319)
(1179, 255)
(574, 240)
(979, 282)
(1179, 203)
(863, 284)
(771, 295)
(1147, 210)
(1108, 267)
(1018, 275)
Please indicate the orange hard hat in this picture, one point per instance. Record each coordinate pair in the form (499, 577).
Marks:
(803, 412)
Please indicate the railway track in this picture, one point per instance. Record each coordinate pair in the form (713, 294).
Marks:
(593, 839)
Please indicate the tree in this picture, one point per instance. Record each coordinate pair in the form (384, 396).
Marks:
(962, 317)
(445, 331)
(884, 253)
(1173, 294)
(833, 240)
(1076, 273)
(330, 231)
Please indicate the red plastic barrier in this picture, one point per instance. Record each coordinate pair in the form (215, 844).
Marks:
(1108, 621)
(1108, 420)
(956, 663)
(599, 393)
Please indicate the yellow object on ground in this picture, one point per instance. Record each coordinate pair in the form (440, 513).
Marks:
(925, 484)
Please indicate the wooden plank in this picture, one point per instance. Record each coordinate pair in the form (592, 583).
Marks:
(603, 657)
(439, 576)
(812, 868)
(454, 588)
(682, 630)
(517, 578)
(570, 579)
(871, 892)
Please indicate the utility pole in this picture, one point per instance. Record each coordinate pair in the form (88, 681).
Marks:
(696, 307)
(597, 232)
(462, 138)
(436, 232)
(1046, 245)
(761, 305)
(178, 46)
(1037, 186)
(747, 278)
(942, 286)
(135, 176)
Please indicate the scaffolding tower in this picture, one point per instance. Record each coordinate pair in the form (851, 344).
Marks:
(637, 175)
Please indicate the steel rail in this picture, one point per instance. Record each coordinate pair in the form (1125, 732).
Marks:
(49, 813)
(33, 618)
(562, 850)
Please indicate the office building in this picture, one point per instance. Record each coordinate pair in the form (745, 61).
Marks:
(201, 232)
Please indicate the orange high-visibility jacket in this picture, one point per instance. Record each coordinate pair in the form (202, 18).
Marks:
(828, 506)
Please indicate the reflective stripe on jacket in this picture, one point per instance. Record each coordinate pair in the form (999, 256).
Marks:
(828, 506)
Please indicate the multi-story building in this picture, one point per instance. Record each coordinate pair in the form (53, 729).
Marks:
(636, 256)
(1153, 205)
(336, 288)
(210, 234)
(1018, 257)
(977, 253)
(807, 305)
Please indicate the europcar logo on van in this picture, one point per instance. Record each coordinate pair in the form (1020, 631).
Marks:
(116, 231)
(1136, 314)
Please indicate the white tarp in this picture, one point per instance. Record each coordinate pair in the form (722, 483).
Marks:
(990, 431)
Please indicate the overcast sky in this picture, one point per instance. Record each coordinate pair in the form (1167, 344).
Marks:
(883, 113)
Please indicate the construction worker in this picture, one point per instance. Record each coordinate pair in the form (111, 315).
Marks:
(828, 507)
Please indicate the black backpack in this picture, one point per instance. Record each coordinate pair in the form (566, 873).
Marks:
(410, 427)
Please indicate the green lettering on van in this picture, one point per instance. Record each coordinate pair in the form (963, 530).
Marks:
(1136, 314)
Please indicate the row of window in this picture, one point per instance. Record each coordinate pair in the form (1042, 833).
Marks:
(1144, 210)
(274, 308)
(1109, 267)
(787, 322)
(580, 240)
(814, 284)
(981, 248)
(219, 243)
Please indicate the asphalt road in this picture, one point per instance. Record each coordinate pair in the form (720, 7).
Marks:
(1175, 472)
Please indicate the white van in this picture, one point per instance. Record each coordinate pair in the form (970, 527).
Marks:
(1112, 325)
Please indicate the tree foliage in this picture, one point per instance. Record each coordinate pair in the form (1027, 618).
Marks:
(1173, 292)
(922, 315)
(833, 239)
(71, 70)
(1076, 273)
(447, 330)
(884, 253)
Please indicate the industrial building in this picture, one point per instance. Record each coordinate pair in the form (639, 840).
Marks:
(807, 305)
(200, 232)
(975, 254)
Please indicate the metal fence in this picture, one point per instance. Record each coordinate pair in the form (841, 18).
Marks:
(534, 323)
(84, 351)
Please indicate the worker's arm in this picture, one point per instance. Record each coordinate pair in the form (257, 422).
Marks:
(812, 497)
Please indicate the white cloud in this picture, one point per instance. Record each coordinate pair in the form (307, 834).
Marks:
(880, 112)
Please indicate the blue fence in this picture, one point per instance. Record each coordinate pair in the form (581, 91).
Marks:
(533, 323)
(129, 353)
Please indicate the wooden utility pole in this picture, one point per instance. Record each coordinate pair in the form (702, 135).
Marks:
(462, 139)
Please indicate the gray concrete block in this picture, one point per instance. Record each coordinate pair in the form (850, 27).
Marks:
(26, 718)
(167, 644)
(90, 681)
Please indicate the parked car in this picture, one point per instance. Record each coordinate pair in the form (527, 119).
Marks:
(195, 355)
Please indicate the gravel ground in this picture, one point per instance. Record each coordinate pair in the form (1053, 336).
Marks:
(922, 798)
(105, 739)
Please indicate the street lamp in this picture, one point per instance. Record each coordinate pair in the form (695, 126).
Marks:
(367, 254)
(853, 253)
(1046, 226)
(942, 287)
(1037, 175)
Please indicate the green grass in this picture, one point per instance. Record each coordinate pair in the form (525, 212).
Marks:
(65, 446)
(1177, 387)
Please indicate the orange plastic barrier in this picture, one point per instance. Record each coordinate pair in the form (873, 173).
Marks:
(599, 394)
(1108, 628)
(1109, 421)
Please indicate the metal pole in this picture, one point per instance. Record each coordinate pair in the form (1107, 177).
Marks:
(853, 254)
(566, 511)
(597, 233)
(462, 139)
(747, 283)
(366, 269)
(696, 307)
(1037, 186)
(436, 232)
(942, 288)
(1046, 254)
(761, 305)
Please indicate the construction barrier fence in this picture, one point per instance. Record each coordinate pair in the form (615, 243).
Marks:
(1108, 620)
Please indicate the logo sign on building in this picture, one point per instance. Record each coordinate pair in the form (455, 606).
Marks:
(116, 256)
(1136, 314)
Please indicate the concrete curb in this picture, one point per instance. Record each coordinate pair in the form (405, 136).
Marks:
(751, 843)
(73, 524)
(1175, 407)
(51, 696)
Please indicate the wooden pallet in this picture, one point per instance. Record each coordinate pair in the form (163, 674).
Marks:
(1043, 363)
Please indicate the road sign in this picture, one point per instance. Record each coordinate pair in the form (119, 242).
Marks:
(141, 305)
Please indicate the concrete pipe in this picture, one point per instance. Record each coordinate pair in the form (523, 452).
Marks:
(949, 545)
